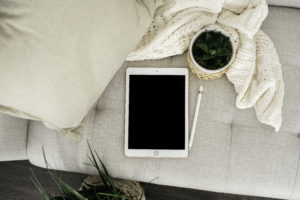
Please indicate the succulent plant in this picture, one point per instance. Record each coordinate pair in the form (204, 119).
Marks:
(212, 50)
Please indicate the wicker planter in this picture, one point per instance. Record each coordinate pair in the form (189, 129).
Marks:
(129, 188)
(202, 72)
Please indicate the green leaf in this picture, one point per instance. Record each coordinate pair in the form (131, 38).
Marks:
(89, 191)
(39, 186)
(218, 62)
(219, 51)
(153, 180)
(212, 52)
(208, 36)
(204, 47)
(220, 40)
(207, 56)
(102, 175)
(113, 195)
(225, 52)
(70, 190)
(103, 166)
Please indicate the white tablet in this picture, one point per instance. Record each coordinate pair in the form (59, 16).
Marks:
(156, 115)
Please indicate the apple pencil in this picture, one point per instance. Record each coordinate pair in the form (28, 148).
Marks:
(196, 116)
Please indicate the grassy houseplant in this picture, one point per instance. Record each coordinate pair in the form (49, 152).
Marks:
(210, 54)
(101, 187)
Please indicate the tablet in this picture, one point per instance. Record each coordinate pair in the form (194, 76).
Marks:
(156, 115)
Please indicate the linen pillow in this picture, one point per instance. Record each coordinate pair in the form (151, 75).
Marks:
(57, 56)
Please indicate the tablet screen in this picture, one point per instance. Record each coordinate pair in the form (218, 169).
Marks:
(156, 112)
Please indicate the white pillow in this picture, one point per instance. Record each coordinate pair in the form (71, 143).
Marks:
(57, 56)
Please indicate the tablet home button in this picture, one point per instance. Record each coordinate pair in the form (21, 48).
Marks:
(155, 153)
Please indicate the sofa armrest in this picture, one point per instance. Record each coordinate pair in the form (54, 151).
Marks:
(13, 138)
(284, 3)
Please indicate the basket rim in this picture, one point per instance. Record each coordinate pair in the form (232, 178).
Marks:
(208, 70)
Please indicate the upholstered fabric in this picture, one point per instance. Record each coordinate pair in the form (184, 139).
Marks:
(13, 138)
(287, 3)
(232, 151)
(58, 56)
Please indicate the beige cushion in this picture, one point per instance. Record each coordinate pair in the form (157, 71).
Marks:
(58, 56)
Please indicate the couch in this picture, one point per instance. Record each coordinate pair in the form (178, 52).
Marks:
(232, 151)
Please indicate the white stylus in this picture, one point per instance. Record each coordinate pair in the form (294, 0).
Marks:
(196, 116)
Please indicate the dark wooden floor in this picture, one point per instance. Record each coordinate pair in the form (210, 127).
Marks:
(15, 184)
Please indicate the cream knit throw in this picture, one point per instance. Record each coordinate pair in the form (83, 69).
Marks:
(256, 71)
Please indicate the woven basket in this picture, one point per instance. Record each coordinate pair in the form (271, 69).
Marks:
(129, 188)
(201, 72)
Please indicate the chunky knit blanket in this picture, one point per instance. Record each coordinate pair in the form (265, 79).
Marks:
(256, 70)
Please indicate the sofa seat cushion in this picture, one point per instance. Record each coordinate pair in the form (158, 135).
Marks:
(58, 56)
(232, 151)
(13, 138)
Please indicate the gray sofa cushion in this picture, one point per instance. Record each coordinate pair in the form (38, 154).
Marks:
(287, 3)
(232, 151)
(13, 138)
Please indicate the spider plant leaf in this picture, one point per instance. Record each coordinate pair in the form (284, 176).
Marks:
(70, 191)
(103, 166)
(95, 164)
(101, 174)
(153, 180)
(113, 195)
(39, 186)
(66, 189)
(52, 174)
(88, 164)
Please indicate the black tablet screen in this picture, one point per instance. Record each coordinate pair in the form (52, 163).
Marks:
(156, 112)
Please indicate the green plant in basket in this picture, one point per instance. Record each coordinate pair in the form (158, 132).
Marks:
(212, 50)
(101, 187)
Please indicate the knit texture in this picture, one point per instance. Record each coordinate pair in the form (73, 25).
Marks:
(256, 70)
